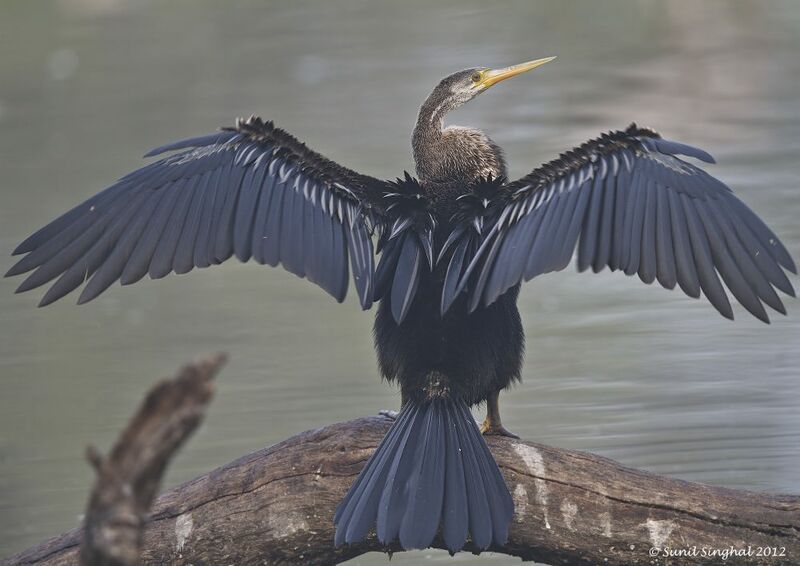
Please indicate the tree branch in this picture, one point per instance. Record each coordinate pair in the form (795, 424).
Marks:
(128, 479)
(275, 506)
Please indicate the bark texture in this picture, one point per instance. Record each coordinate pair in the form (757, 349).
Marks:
(275, 506)
(128, 479)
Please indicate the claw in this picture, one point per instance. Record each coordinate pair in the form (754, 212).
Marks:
(490, 429)
(389, 414)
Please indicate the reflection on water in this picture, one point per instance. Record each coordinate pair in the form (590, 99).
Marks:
(648, 377)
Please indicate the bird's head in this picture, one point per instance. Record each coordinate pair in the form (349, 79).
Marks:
(461, 87)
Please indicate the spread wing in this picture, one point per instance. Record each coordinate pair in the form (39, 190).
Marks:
(627, 201)
(252, 191)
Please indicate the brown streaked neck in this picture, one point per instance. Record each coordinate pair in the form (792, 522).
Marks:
(427, 135)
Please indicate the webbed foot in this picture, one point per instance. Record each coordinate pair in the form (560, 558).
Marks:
(489, 428)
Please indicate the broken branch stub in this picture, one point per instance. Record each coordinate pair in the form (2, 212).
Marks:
(129, 478)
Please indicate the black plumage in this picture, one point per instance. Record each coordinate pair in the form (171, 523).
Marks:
(454, 248)
(431, 472)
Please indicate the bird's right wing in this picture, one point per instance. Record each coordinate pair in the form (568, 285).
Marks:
(251, 190)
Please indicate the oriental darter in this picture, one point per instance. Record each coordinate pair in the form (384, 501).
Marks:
(454, 244)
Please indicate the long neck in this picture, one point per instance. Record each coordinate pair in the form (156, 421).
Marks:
(428, 133)
(454, 154)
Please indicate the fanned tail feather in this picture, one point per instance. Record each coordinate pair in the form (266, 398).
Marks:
(432, 473)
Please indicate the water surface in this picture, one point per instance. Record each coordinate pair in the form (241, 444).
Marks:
(648, 377)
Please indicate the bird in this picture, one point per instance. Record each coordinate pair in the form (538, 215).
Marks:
(443, 253)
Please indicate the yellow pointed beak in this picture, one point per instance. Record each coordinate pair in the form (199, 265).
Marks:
(494, 76)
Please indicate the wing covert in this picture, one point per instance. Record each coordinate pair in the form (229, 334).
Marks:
(406, 245)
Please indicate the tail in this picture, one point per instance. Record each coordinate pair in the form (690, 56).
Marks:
(432, 468)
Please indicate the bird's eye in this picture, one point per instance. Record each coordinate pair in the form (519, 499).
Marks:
(476, 77)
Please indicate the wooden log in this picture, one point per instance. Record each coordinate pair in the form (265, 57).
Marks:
(275, 506)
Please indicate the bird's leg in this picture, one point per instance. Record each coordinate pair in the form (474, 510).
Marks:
(492, 423)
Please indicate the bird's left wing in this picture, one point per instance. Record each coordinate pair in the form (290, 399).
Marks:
(627, 201)
(251, 190)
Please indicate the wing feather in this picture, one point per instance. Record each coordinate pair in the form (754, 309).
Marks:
(709, 282)
(535, 261)
(202, 247)
(223, 241)
(568, 238)
(688, 279)
(634, 220)
(161, 262)
(726, 266)
(620, 216)
(139, 261)
(665, 256)
(745, 263)
(588, 247)
(184, 253)
(602, 256)
(87, 265)
(647, 261)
